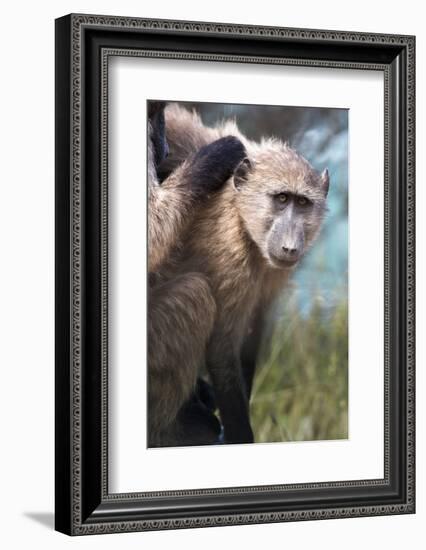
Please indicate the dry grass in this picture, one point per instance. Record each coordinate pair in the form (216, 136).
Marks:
(301, 388)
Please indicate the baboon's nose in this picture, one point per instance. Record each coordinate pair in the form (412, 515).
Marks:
(291, 251)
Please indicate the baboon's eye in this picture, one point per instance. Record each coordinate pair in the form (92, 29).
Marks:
(303, 201)
(282, 198)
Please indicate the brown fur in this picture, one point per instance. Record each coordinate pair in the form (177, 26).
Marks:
(180, 312)
(228, 242)
(181, 309)
(169, 206)
(181, 316)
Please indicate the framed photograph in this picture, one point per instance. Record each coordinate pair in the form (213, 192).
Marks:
(234, 274)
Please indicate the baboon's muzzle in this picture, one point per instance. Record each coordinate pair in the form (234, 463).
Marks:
(286, 240)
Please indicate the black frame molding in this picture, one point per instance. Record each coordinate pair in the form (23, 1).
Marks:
(84, 44)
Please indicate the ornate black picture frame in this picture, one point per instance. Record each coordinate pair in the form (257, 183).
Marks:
(83, 45)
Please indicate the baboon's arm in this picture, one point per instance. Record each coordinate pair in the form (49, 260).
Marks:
(180, 319)
(223, 363)
(171, 203)
(250, 349)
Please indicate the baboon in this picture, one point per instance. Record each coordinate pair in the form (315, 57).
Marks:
(247, 240)
(181, 310)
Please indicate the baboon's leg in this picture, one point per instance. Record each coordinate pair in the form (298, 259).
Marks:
(196, 424)
(180, 319)
(205, 394)
(250, 350)
(223, 363)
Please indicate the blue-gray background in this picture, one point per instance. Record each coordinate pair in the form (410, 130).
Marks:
(300, 391)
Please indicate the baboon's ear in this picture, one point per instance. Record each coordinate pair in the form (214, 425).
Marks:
(325, 181)
(241, 173)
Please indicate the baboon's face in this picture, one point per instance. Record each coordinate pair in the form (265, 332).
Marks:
(282, 201)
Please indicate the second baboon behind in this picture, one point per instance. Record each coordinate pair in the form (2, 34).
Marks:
(181, 309)
(246, 240)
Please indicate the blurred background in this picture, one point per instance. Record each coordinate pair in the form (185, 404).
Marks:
(300, 391)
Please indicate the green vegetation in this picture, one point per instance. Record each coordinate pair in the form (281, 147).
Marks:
(300, 392)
